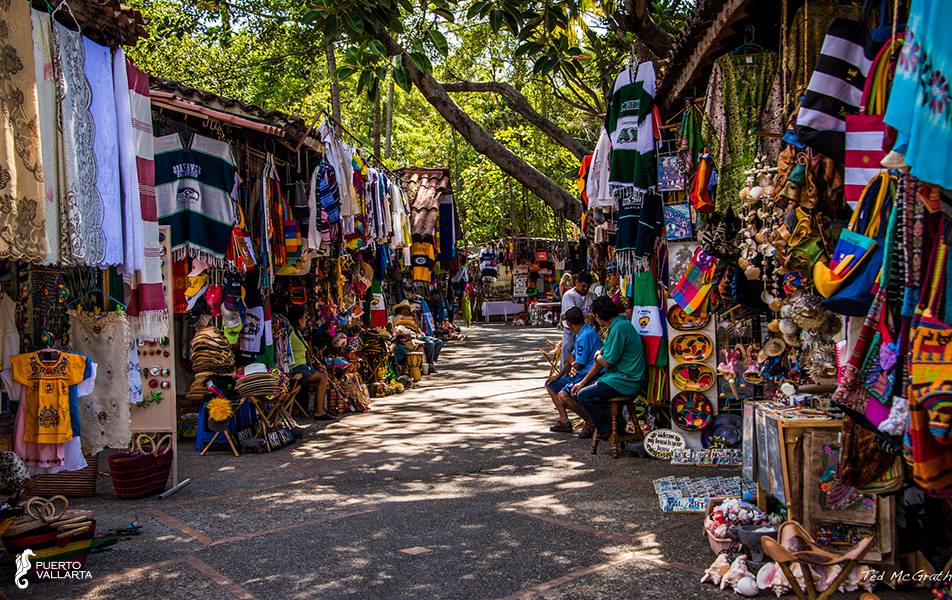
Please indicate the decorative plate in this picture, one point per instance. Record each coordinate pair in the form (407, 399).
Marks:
(682, 321)
(691, 347)
(660, 443)
(691, 411)
(693, 377)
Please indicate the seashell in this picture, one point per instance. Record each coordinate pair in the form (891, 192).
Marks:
(747, 586)
(775, 305)
(771, 577)
(756, 192)
(769, 191)
(774, 326)
(743, 263)
(761, 236)
(737, 571)
(745, 194)
(787, 326)
(787, 311)
(752, 272)
(715, 572)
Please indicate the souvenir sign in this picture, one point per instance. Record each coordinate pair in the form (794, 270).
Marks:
(691, 347)
(660, 443)
(691, 411)
(693, 377)
(709, 456)
(685, 322)
(691, 494)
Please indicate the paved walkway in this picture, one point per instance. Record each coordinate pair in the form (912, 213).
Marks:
(455, 489)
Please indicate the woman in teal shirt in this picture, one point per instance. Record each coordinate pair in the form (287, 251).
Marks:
(623, 360)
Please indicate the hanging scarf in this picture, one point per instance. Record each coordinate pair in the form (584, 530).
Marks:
(148, 312)
(83, 242)
(97, 66)
(22, 208)
(46, 98)
(134, 244)
(640, 218)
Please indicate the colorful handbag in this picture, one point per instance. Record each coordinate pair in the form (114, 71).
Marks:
(865, 131)
(693, 291)
(858, 248)
(700, 192)
(928, 438)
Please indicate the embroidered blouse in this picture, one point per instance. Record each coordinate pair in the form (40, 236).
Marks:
(47, 418)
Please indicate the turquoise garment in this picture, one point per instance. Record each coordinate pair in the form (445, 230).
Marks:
(587, 344)
(920, 102)
(625, 355)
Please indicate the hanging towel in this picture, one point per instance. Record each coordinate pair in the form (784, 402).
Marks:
(22, 207)
(134, 246)
(148, 312)
(46, 97)
(97, 66)
(83, 241)
(196, 185)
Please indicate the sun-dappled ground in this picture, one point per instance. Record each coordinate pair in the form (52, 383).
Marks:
(455, 489)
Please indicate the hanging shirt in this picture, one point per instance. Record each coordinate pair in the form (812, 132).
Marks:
(596, 184)
(631, 129)
(423, 257)
(196, 185)
(46, 414)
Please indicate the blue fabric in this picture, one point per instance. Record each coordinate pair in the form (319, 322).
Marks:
(306, 370)
(429, 326)
(587, 343)
(594, 400)
(74, 399)
(447, 232)
(565, 384)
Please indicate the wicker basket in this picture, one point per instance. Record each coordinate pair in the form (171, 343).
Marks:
(143, 471)
(72, 484)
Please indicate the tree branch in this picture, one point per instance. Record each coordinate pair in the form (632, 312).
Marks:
(520, 104)
(636, 20)
(550, 192)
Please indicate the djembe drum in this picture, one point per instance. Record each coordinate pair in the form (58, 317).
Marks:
(414, 363)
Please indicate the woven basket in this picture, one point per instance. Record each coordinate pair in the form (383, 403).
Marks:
(72, 484)
(142, 471)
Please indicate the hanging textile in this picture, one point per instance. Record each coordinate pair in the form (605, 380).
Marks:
(423, 257)
(920, 107)
(47, 381)
(196, 186)
(147, 310)
(313, 240)
(640, 219)
(46, 98)
(22, 204)
(9, 336)
(596, 181)
(97, 66)
(104, 415)
(447, 228)
(133, 243)
(647, 317)
(738, 102)
(83, 242)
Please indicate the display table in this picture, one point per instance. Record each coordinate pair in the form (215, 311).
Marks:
(501, 307)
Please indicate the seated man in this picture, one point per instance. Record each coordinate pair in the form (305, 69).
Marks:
(403, 316)
(622, 357)
(560, 385)
(299, 363)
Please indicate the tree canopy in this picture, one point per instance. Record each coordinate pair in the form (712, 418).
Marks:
(507, 93)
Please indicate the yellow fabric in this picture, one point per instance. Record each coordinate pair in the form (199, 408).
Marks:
(47, 419)
(298, 350)
(407, 321)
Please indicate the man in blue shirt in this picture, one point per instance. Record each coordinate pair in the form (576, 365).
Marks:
(559, 386)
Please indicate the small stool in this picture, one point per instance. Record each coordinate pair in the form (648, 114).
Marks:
(616, 438)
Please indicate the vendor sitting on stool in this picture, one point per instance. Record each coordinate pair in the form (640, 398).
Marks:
(299, 363)
(560, 385)
(622, 357)
(403, 316)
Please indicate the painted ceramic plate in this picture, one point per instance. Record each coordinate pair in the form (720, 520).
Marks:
(691, 411)
(660, 443)
(682, 321)
(693, 377)
(691, 347)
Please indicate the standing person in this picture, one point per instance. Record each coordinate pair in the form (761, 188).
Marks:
(587, 343)
(565, 284)
(300, 365)
(577, 297)
(623, 358)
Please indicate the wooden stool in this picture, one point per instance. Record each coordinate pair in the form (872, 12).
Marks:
(811, 554)
(616, 438)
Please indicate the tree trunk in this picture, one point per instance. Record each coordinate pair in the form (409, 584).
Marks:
(520, 104)
(376, 123)
(388, 134)
(335, 83)
(636, 20)
(550, 192)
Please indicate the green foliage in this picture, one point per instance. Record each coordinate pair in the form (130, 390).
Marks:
(271, 53)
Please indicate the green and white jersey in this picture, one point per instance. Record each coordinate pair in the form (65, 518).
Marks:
(629, 124)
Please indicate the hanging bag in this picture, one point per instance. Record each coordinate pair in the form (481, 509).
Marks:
(847, 280)
(701, 184)
(928, 441)
(694, 289)
(836, 85)
(865, 131)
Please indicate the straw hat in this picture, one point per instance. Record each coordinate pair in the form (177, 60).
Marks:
(774, 347)
(401, 304)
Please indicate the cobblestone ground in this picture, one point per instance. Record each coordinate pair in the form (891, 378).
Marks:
(455, 489)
